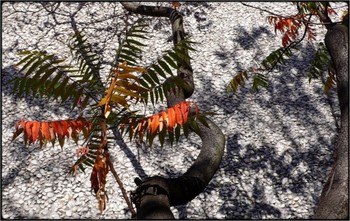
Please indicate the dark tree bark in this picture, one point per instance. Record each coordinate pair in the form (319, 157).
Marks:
(334, 199)
(155, 195)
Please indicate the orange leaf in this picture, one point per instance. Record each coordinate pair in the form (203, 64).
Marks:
(175, 4)
(154, 124)
(45, 130)
(196, 109)
(28, 130)
(52, 131)
(64, 128)
(178, 114)
(165, 117)
(161, 122)
(171, 119)
(35, 130)
(57, 128)
(23, 124)
(185, 110)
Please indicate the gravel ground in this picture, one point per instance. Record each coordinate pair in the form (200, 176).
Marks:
(279, 141)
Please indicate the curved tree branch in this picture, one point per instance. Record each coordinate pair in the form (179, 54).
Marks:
(334, 203)
(155, 195)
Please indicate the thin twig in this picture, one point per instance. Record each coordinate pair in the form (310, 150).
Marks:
(125, 195)
(281, 16)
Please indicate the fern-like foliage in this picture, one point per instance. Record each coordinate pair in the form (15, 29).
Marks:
(259, 80)
(45, 74)
(318, 64)
(130, 48)
(163, 67)
(276, 57)
(238, 80)
(153, 87)
(89, 62)
(331, 80)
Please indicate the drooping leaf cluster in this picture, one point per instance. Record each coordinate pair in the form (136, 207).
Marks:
(50, 131)
(289, 27)
(166, 122)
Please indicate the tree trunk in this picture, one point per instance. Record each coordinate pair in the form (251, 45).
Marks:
(154, 196)
(334, 202)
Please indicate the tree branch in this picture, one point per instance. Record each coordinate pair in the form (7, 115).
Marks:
(177, 191)
(334, 200)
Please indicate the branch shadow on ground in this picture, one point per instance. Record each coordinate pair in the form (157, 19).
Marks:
(286, 96)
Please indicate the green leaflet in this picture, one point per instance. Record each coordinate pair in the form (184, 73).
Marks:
(170, 61)
(237, 81)
(318, 64)
(136, 42)
(185, 128)
(171, 137)
(165, 67)
(276, 57)
(153, 76)
(28, 63)
(177, 133)
(159, 71)
(259, 80)
(129, 53)
(148, 79)
(161, 136)
(128, 59)
(89, 64)
(202, 120)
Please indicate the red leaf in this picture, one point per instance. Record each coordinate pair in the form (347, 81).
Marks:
(52, 131)
(171, 119)
(285, 40)
(64, 128)
(73, 124)
(165, 117)
(185, 107)
(79, 124)
(175, 4)
(45, 130)
(154, 124)
(23, 124)
(35, 130)
(28, 131)
(99, 174)
(178, 114)
(57, 128)
(196, 109)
